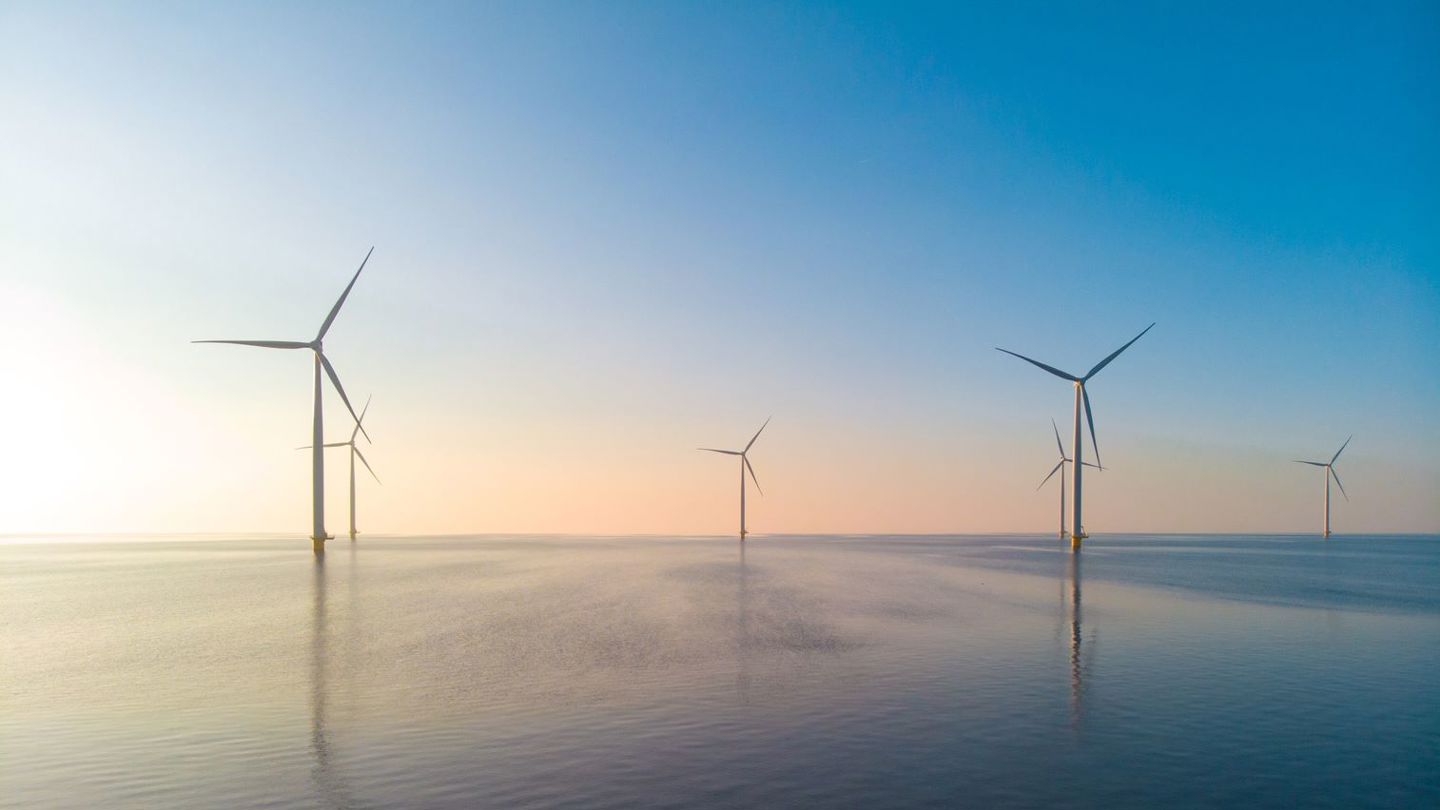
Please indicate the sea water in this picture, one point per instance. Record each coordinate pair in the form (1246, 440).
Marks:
(790, 671)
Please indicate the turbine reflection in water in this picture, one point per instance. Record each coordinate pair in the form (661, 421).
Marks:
(1077, 674)
(742, 634)
(329, 789)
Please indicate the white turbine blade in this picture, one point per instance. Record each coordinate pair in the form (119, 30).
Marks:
(335, 310)
(1116, 353)
(1337, 483)
(264, 344)
(1057, 372)
(367, 465)
(1057, 440)
(752, 474)
(756, 436)
(305, 447)
(361, 420)
(726, 452)
(1091, 419)
(335, 379)
(1311, 463)
(329, 444)
(1053, 470)
(1341, 450)
(1096, 466)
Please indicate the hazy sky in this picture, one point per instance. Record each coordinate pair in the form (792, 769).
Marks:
(608, 233)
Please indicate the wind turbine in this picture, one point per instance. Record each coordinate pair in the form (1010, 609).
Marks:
(1082, 399)
(1059, 464)
(1329, 471)
(354, 451)
(744, 465)
(317, 449)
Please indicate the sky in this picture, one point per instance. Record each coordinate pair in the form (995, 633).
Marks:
(609, 233)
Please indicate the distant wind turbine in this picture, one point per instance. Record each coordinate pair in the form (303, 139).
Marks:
(354, 452)
(744, 465)
(1082, 399)
(1058, 465)
(317, 454)
(1329, 471)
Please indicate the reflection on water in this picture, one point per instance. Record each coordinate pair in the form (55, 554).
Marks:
(329, 789)
(1076, 679)
(611, 672)
(742, 625)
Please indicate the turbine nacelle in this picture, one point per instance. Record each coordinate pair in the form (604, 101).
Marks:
(1064, 459)
(316, 345)
(1330, 466)
(1079, 382)
(743, 454)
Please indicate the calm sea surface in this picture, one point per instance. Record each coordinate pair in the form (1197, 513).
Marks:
(794, 671)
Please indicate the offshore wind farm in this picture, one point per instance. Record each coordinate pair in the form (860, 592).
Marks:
(595, 241)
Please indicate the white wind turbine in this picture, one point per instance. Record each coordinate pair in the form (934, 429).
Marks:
(1082, 399)
(317, 454)
(354, 452)
(744, 465)
(1058, 465)
(1330, 471)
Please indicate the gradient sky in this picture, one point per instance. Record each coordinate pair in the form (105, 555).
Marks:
(609, 233)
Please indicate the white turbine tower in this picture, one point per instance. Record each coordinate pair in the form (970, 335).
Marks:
(1330, 471)
(317, 454)
(354, 452)
(1082, 399)
(744, 465)
(1058, 465)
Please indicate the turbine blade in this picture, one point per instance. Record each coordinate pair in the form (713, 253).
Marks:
(305, 447)
(1053, 470)
(1116, 353)
(1337, 483)
(1311, 463)
(264, 344)
(1057, 440)
(335, 310)
(367, 465)
(1089, 417)
(335, 379)
(1096, 466)
(726, 452)
(338, 444)
(752, 474)
(361, 420)
(1057, 372)
(756, 436)
(1342, 449)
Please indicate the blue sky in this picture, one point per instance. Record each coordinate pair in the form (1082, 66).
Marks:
(604, 228)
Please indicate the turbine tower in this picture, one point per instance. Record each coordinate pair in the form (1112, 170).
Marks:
(354, 452)
(1082, 399)
(1058, 465)
(317, 449)
(1330, 471)
(744, 465)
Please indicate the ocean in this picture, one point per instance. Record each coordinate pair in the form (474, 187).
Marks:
(788, 671)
